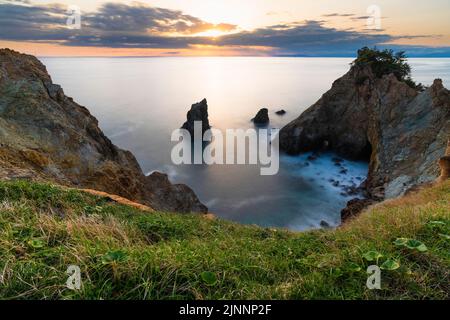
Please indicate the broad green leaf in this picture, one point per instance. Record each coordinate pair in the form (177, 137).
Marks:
(422, 248)
(416, 245)
(372, 255)
(390, 265)
(401, 241)
(209, 278)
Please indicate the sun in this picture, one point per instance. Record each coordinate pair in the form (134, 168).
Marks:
(212, 33)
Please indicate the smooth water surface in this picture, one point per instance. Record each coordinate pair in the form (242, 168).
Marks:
(140, 101)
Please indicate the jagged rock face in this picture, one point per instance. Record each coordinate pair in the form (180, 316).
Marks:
(262, 117)
(172, 197)
(355, 207)
(46, 135)
(444, 163)
(401, 132)
(198, 112)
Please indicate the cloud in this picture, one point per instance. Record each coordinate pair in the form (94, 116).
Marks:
(141, 18)
(306, 38)
(331, 15)
(111, 24)
(25, 22)
(365, 17)
(137, 25)
(298, 38)
(361, 18)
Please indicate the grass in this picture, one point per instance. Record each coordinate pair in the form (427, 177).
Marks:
(124, 253)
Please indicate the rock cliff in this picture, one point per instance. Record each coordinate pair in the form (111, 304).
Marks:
(46, 135)
(401, 131)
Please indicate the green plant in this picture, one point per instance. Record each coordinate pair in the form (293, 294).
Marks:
(372, 256)
(390, 265)
(411, 244)
(209, 278)
(36, 243)
(124, 253)
(384, 62)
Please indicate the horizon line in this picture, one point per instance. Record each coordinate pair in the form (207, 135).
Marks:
(234, 56)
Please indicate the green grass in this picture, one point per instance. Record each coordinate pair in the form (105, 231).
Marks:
(124, 253)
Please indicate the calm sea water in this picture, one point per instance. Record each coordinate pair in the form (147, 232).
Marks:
(140, 101)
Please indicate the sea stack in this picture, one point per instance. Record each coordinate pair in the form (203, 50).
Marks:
(262, 117)
(198, 112)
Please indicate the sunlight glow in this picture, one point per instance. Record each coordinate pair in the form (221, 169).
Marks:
(213, 33)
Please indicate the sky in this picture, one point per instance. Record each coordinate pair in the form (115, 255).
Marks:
(224, 27)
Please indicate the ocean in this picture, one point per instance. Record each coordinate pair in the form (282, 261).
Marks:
(140, 101)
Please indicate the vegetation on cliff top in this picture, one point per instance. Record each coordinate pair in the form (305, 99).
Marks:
(125, 253)
(384, 62)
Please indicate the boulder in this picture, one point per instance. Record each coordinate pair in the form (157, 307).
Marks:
(173, 197)
(46, 136)
(281, 112)
(325, 225)
(262, 117)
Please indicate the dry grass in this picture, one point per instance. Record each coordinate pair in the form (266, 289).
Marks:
(125, 253)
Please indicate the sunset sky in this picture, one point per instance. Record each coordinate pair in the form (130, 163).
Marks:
(225, 27)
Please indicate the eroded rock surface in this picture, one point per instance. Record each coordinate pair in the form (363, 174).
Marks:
(444, 163)
(401, 132)
(198, 112)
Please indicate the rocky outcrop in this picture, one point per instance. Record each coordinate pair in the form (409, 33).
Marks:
(198, 112)
(401, 132)
(444, 163)
(45, 135)
(355, 207)
(262, 117)
(281, 112)
(172, 197)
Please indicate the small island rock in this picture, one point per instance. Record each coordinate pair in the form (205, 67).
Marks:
(262, 117)
(198, 112)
